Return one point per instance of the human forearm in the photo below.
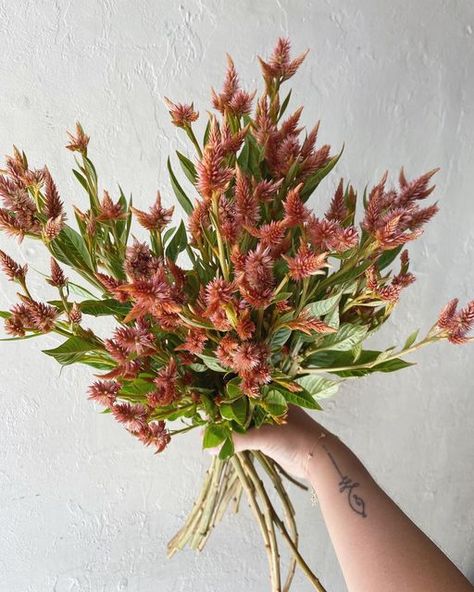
(378, 546)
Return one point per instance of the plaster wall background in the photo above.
(83, 507)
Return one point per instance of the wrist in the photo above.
(313, 446)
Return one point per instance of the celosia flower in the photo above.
(42, 316)
(165, 382)
(247, 207)
(305, 263)
(112, 286)
(109, 210)
(133, 416)
(53, 204)
(231, 86)
(79, 142)
(198, 220)
(182, 115)
(213, 175)
(57, 277)
(279, 65)
(11, 269)
(306, 323)
(195, 341)
(218, 294)
(157, 217)
(338, 210)
(104, 392)
(456, 324)
(52, 228)
(447, 315)
(154, 433)
(140, 262)
(75, 314)
(296, 214)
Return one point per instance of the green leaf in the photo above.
(345, 339)
(178, 243)
(279, 338)
(80, 291)
(70, 248)
(182, 198)
(108, 307)
(357, 350)
(387, 257)
(233, 388)
(284, 105)
(388, 366)
(318, 386)
(206, 133)
(198, 367)
(322, 307)
(227, 449)
(188, 167)
(332, 317)
(302, 399)
(71, 351)
(411, 339)
(243, 158)
(4, 314)
(315, 179)
(167, 235)
(82, 180)
(214, 435)
(139, 386)
(236, 410)
(212, 363)
(274, 402)
(282, 296)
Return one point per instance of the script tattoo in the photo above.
(356, 503)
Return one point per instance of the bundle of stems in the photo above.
(224, 482)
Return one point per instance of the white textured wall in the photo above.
(83, 507)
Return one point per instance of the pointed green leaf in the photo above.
(178, 243)
(315, 179)
(71, 351)
(411, 339)
(318, 386)
(227, 449)
(182, 198)
(274, 402)
(301, 398)
(345, 339)
(322, 307)
(188, 167)
(212, 363)
(214, 435)
(279, 338)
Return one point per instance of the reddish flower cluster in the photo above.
(457, 324)
(395, 217)
(391, 291)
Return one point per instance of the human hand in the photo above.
(288, 444)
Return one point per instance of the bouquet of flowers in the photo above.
(254, 304)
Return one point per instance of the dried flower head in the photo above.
(79, 141)
(182, 115)
(157, 217)
(11, 269)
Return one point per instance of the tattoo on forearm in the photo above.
(356, 503)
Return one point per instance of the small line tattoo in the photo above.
(356, 503)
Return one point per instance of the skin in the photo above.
(378, 547)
